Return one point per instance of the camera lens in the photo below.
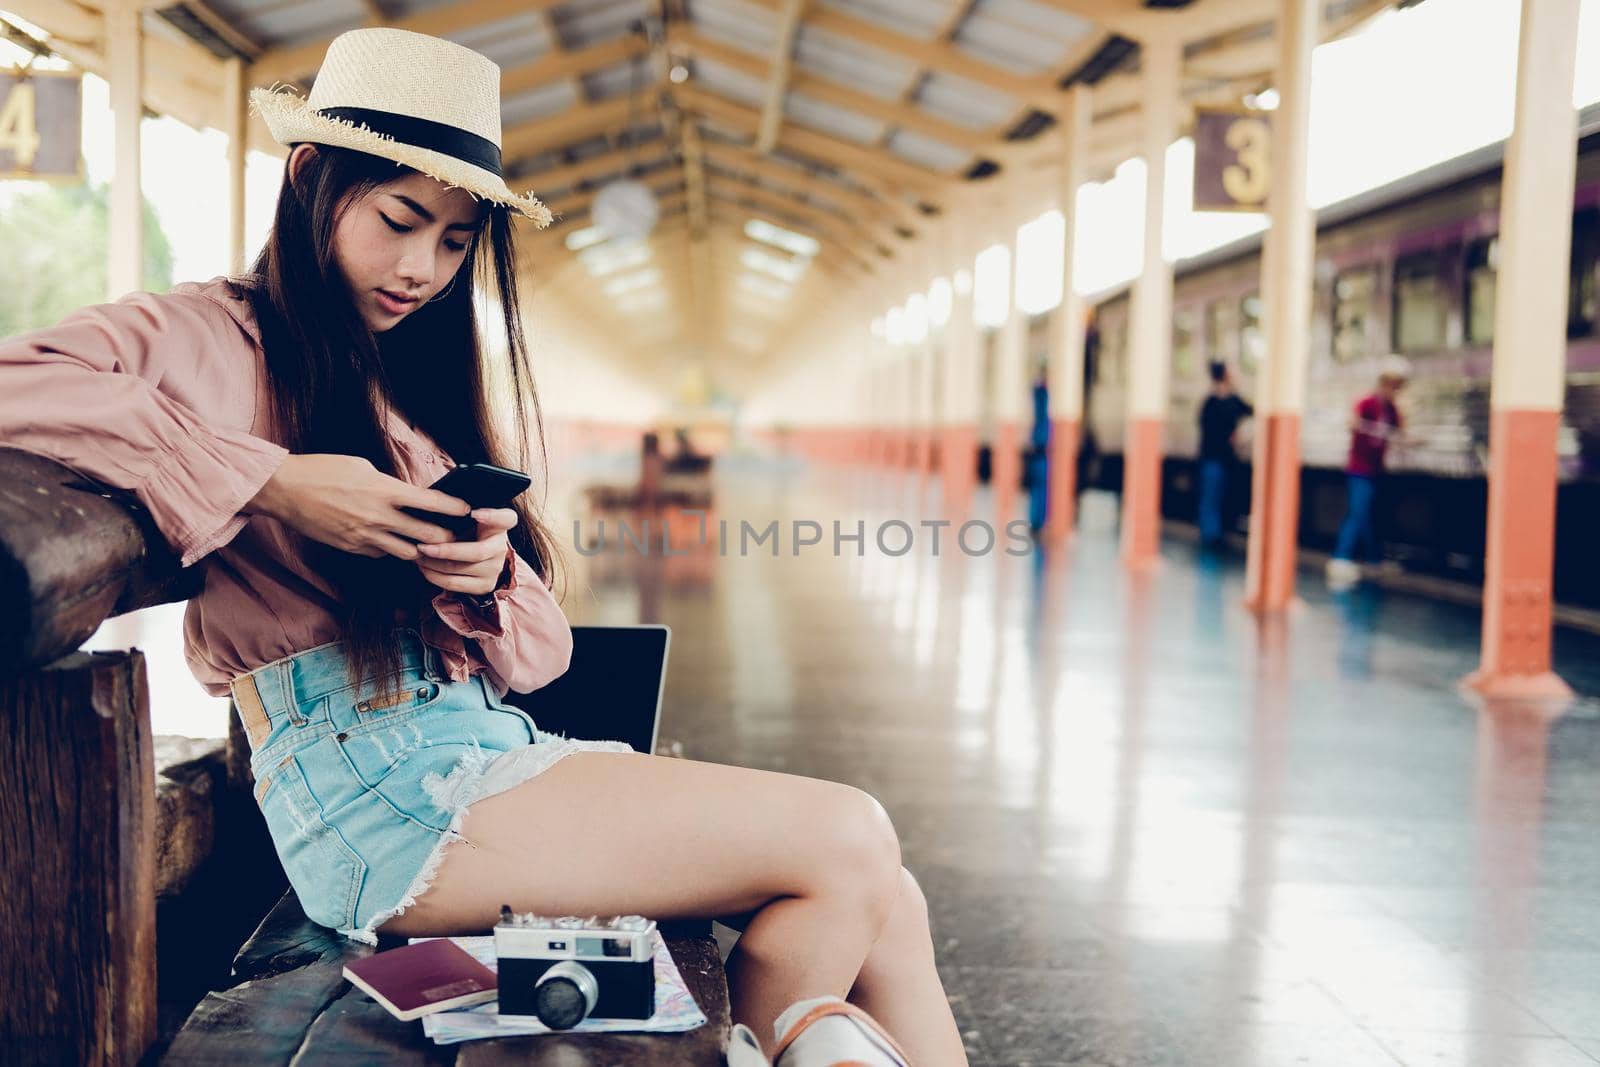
(565, 995)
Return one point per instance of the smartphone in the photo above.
(483, 485)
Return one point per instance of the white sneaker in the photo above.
(1342, 574)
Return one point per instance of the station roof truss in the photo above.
(859, 124)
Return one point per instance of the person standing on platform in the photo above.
(1374, 423)
(1220, 417)
(1037, 463)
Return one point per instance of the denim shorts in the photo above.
(360, 792)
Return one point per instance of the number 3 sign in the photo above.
(41, 124)
(1232, 151)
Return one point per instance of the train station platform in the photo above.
(1151, 829)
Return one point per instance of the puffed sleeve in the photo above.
(89, 393)
(525, 638)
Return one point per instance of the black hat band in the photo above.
(423, 133)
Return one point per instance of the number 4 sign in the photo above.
(1232, 152)
(41, 124)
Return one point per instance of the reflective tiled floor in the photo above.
(1152, 831)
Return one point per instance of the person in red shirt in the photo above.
(1374, 423)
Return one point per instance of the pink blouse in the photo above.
(163, 395)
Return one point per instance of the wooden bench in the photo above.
(290, 1003)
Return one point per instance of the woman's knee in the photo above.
(911, 907)
(862, 850)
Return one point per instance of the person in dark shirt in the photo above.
(1374, 423)
(1220, 417)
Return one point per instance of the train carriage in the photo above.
(1406, 268)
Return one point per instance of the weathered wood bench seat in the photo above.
(290, 1003)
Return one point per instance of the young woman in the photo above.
(274, 426)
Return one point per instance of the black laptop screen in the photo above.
(611, 691)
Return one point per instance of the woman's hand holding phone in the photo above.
(471, 567)
(346, 502)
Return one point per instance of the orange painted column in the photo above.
(958, 469)
(1530, 347)
(1273, 551)
(1150, 348)
(1005, 471)
(1066, 331)
(1063, 494)
(1141, 492)
(1272, 558)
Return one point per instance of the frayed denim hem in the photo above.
(476, 776)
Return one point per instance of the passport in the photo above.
(423, 978)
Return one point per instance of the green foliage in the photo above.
(53, 254)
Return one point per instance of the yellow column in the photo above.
(236, 116)
(918, 395)
(125, 73)
(1286, 322)
(927, 377)
(1150, 350)
(1010, 378)
(958, 445)
(1530, 350)
(1066, 337)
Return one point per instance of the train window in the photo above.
(1583, 299)
(1217, 324)
(1252, 342)
(1483, 260)
(1185, 343)
(1355, 298)
(1113, 343)
(1419, 303)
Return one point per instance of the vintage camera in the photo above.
(566, 970)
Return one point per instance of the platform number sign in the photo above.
(41, 125)
(1232, 156)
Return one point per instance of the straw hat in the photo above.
(428, 103)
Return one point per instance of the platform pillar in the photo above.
(125, 77)
(1530, 350)
(959, 399)
(236, 119)
(1066, 330)
(1273, 554)
(1010, 380)
(1150, 350)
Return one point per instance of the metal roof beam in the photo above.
(778, 81)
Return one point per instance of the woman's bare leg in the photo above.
(616, 833)
(899, 984)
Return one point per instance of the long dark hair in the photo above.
(329, 373)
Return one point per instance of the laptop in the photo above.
(612, 689)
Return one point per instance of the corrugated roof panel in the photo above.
(927, 152)
(914, 18)
(965, 103)
(736, 22)
(276, 25)
(399, 9)
(542, 102)
(734, 84)
(1020, 35)
(826, 175)
(586, 22)
(510, 42)
(843, 60)
(829, 119)
(619, 79)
